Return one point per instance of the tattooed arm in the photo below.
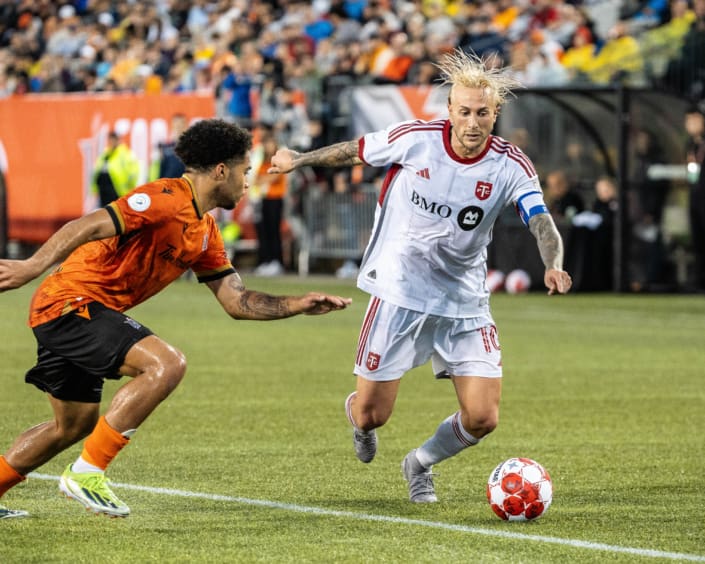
(340, 154)
(241, 303)
(550, 246)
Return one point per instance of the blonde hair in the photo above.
(469, 70)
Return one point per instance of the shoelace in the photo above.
(98, 483)
(423, 483)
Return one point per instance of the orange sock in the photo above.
(103, 444)
(8, 476)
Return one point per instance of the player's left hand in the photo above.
(316, 304)
(557, 281)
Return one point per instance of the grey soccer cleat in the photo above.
(420, 479)
(365, 443)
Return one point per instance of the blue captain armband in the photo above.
(529, 205)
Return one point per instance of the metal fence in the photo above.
(335, 225)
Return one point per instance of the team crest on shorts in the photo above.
(372, 361)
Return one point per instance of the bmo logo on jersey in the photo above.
(441, 210)
(470, 217)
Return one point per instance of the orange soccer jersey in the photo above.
(161, 232)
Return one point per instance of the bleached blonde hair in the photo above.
(469, 70)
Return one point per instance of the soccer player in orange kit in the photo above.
(111, 260)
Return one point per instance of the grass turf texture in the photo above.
(605, 391)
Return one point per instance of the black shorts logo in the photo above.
(470, 217)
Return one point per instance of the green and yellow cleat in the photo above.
(91, 489)
(6, 513)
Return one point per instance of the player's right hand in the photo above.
(282, 161)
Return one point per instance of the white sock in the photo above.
(450, 438)
(81, 465)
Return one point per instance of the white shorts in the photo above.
(393, 340)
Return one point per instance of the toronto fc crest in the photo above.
(483, 189)
(372, 361)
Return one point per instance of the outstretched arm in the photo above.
(551, 248)
(90, 227)
(241, 303)
(340, 154)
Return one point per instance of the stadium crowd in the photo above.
(278, 64)
(274, 48)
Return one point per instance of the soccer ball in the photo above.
(519, 489)
(517, 282)
(495, 280)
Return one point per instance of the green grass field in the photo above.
(251, 458)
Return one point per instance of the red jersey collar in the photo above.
(453, 155)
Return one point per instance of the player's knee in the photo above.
(372, 416)
(171, 371)
(481, 424)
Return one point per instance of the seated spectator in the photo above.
(686, 73)
(578, 57)
(482, 38)
(619, 57)
(544, 67)
(562, 200)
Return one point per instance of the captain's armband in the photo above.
(529, 205)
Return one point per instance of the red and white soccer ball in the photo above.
(495, 280)
(519, 489)
(517, 282)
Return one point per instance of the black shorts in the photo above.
(79, 349)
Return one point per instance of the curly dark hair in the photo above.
(211, 141)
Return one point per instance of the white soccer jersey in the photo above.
(434, 218)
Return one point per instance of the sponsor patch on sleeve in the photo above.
(139, 202)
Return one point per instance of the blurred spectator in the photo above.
(695, 154)
(578, 57)
(393, 62)
(266, 193)
(544, 67)
(168, 164)
(619, 57)
(591, 240)
(562, 200)
(482, 38)
(580, 164)
(240, 83)
(650, 14)
(116, 171)
(646, 199)
(686, 73)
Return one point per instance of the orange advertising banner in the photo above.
(49, 145)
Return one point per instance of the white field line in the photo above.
(574, 543)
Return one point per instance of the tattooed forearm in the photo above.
(257, 305)
(340, 154)
(549, 240)
(242, 303)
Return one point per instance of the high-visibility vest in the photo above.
(123, 168)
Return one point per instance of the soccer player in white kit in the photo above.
(425, 265)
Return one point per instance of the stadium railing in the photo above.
(335, 225)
